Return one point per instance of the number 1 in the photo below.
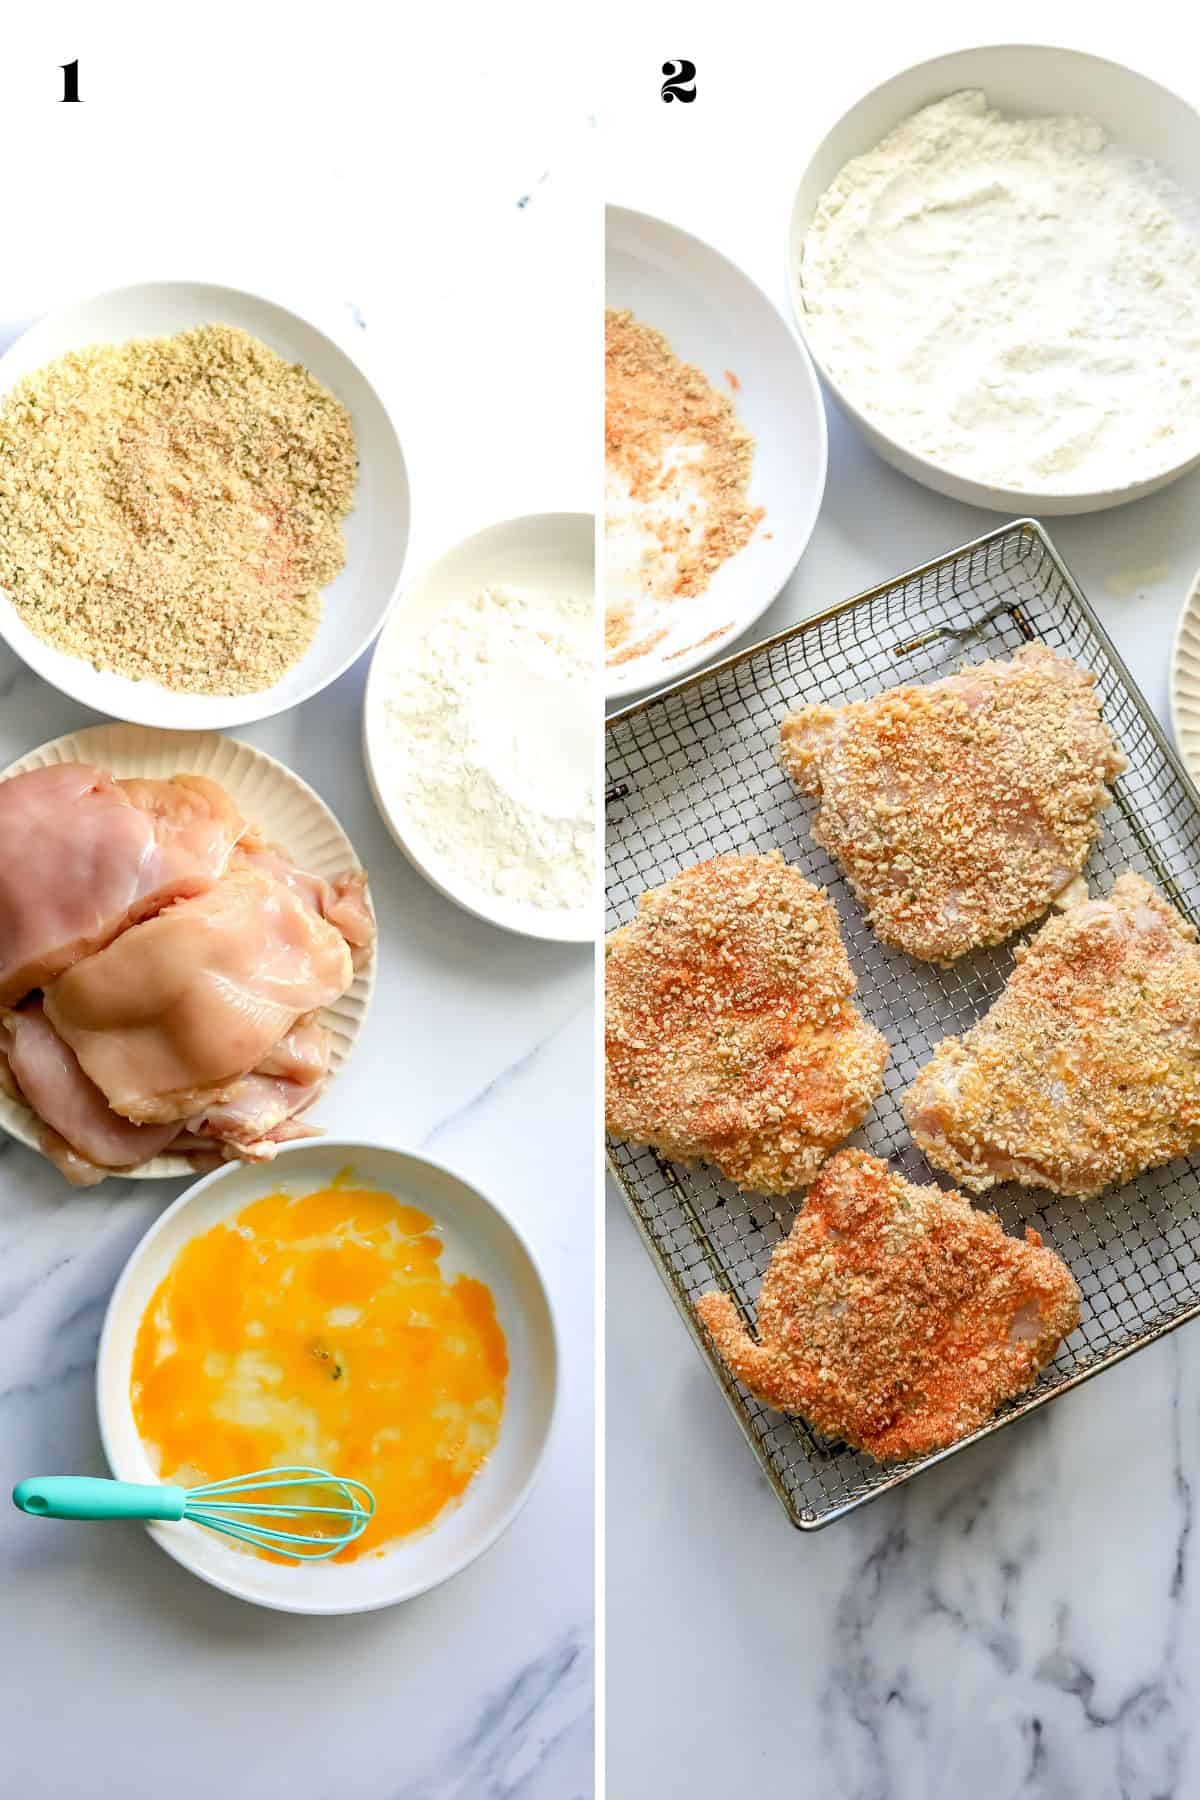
(70, 80)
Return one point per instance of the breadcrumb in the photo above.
(731, 1035)
(680, 458)
(1086, 1070)
(170, 508)
(961, 810)
(896, 1316)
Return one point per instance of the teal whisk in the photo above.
(224, 1506)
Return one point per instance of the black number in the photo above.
(679, 75)
(70, 80)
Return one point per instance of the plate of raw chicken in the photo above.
(187, 952)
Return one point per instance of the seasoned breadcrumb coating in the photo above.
(896, 1316)
(959, 811)
(655, 408)
(731, 1035)
(1086, 1070)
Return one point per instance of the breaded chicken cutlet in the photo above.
(731, 1036)
(895, 1316)
(1086, 1070)
(959, 811)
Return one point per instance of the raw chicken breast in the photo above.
(302, 1056)
(169, 1018)
(82, 856)
(193, 817)
(285, 1083)
(77, 1169)
(49, 1079)
(343, 901)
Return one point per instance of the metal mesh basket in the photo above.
(692, 772)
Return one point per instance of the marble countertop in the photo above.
(1021, 1620)
(120, 1673)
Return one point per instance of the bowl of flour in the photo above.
(994, 259)
(479, 731)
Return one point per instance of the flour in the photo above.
(644, 543)
(489, 744)
(1016, 299)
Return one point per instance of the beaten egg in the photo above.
(320, 1329)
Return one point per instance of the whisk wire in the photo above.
(306, 1549)
(213, 1506)
(283, 1476)
(292, 1512)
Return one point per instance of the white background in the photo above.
(1021, 1621)
(369, 177)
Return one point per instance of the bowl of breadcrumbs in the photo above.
(714, 452)
(203, 505)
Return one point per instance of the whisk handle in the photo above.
(90, 1497)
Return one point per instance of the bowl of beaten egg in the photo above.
(348, 1306)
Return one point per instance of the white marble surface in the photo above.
(1021, 1621)
(119, 1673)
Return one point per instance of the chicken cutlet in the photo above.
(896, 1316)
(70, 1107)
(83, 856)
(343, 902)
(130, 903)
(961, 810)
(1086, 1070)
(168, 1019)
(87, 1140)
(731, 1035)
(260, 1111)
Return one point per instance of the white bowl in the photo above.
(1185, 683)
(270, 796)
(480, 1240)
(551, 553)
(715, 317)
(1024, 80)
(352, 608)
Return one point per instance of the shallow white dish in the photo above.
(1024, 80)
(551, 553)
(270, 796)
(480, 1241)
(352, 608)
(1185, 683)
(715, 317)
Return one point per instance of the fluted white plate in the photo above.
(1185, 684)
(285, 809)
